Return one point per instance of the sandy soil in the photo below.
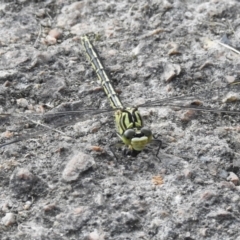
(67, 184)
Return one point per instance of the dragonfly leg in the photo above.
(126, 151)
(112, 148)
(159, 141)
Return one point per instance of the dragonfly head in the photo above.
(137, 139)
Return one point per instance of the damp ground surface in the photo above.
(61, 181)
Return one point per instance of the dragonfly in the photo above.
(128, 120)
(131, 130)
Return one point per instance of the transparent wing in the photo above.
(17, 127)
(32, 125)
(213, 100)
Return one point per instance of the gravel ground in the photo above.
(67, 184)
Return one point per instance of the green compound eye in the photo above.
(146, 132)
(129, 133)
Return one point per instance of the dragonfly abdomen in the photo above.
(101, 73)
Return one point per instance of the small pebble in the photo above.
(7, 134)
(94, 236)
(231, 97)
(22, 102)
(188, 15)
(220, 214)
(27, 205)
(22, 181)
(49, 40)
(229, 208)
(225, 184)
(79, 163)
(230, 79)
(187, 173)
(157, 180)
(207, 195)
(9, 219)
(233, 178)
(203, 232)
(5, 207)
(5, 74)
(170, 71)
(49, 207)
(223, 173)
(41, 13)
(55, 33)
(7, 84)
(188, 115)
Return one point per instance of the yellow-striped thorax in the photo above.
(130, 130)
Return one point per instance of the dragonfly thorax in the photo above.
(130, 129)
(128, 118)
